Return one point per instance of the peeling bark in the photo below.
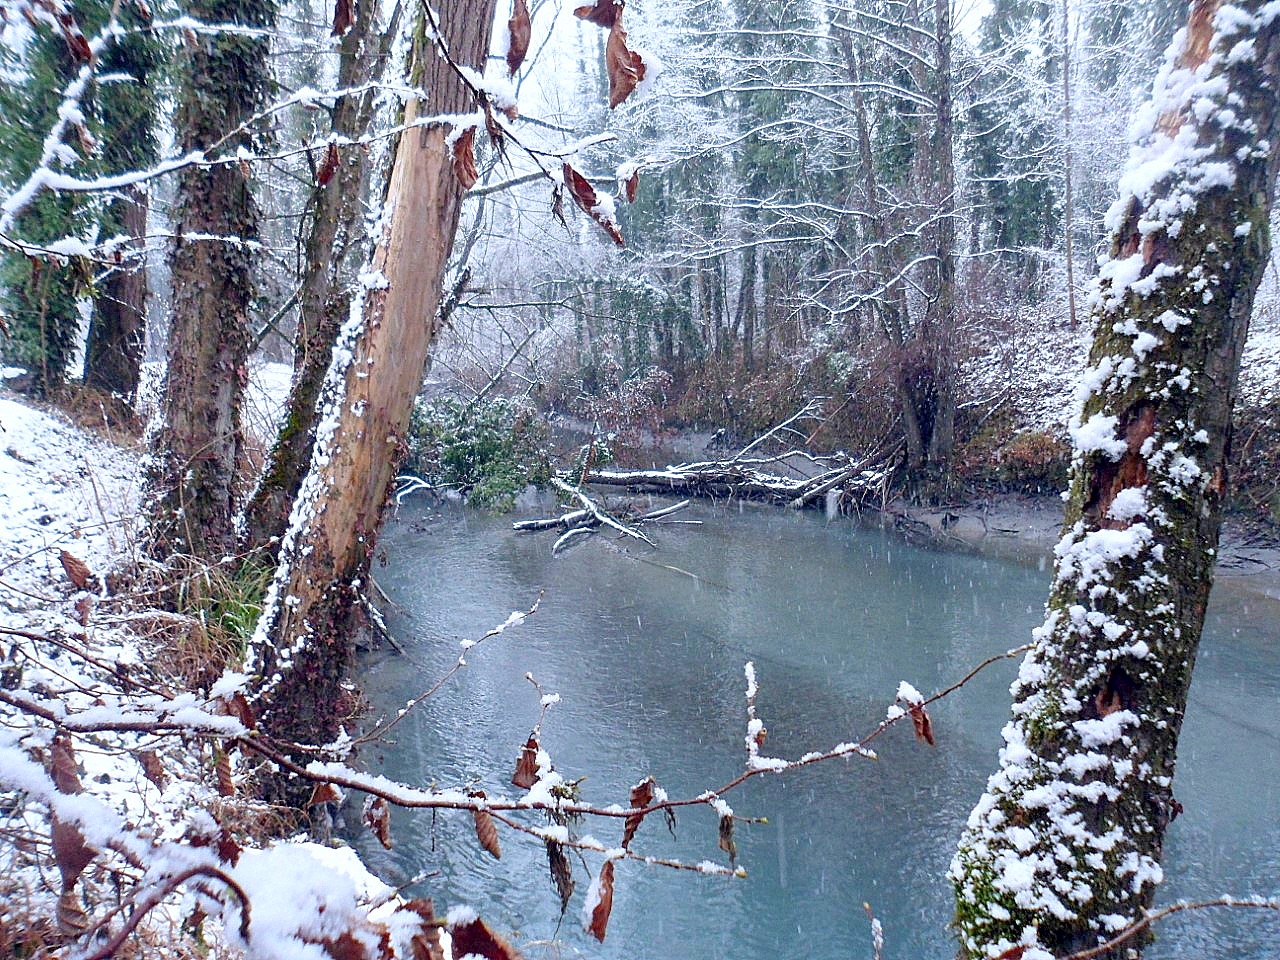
(305, 641)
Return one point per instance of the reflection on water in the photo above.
(648, 662)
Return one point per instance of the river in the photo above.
(648, 662)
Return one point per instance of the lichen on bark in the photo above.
(1064, 848)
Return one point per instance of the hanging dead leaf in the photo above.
(464, 158)
(727, 843)
(641, 797)
(222, 769)
(377, 814)
(62, 761)
(475, 937)
(633, 186)
(604, 902)
(519, 29)
(603, 13)
(592, 204)
(625, 67)
(486, 829)
(492, 126)
(922, 723)
(526, 774)
(324, 793)
(425, 943)
(72, 919)
(342, 17)
(329, 166)
(153, 768)
(70, 851)
(561, 873)
(557, 205)
(77, 571)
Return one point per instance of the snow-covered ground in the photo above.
(1038, 361)
(61, 488)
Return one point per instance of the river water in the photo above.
(648, 662)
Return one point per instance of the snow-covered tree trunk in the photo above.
(324, 302)
(1064, 848)
(305, 639)
(192, 481)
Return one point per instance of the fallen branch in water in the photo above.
(592, 517)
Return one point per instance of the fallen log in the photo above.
(578, 524)
(861, 483)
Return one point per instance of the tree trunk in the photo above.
(1064, 849)
(192, 480)
(941, 338)
(305, 639)
(117, 333)
(324, 302)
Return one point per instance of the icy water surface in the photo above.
(649, 665)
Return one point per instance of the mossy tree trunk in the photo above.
(336, 228)
(117, 329)
(192, 486)
(1064, 848)
(304, 642)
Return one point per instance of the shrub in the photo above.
(490, 450)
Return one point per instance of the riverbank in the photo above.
(1026, 528)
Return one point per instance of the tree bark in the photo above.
(117, 333)
(192, 480)
(324, 301)
(1065, 847)
(305, 640)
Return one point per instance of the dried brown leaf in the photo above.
(222, 769)
(924, 726)
(475, 937)
(727, 843)
(377, 814)
(329, 166)
(237, 706)
(425, 943)
(153, 768)
(561, 873)
(641, 797)
(77, 571)
(526, 774)
(343, 17)
(464, 158)
(486, 829)
(625, 67)
(603, 13)
(633, 187)
(604, 902)
(324, 793)
(588, 201)
(83, 607)
(519, 28)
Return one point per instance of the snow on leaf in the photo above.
(598, 208)
(641, 797)
(603, 13)
(526, 773)
(599, 902)
(377, 815)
